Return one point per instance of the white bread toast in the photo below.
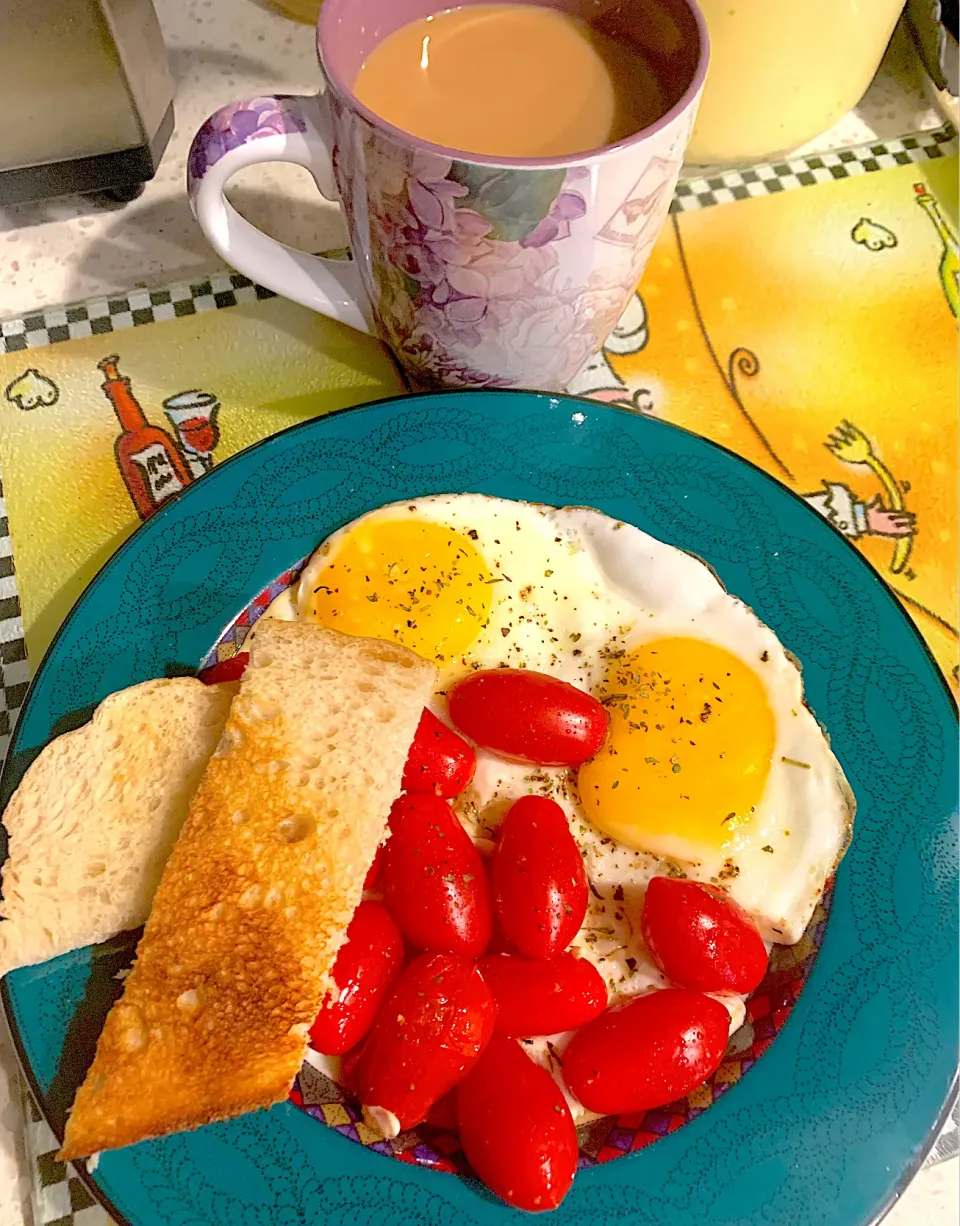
(258, 892)
(93, 821)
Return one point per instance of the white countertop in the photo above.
(65, 250)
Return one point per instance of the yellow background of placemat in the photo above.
(270, 363)
(767, 326)
(828, 331)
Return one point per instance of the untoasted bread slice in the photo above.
(259, 890)
(93, 821)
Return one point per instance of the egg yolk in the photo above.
(689, 748)
(408, 581)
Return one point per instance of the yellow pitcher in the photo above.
(783, 71)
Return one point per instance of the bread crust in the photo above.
(255, 900)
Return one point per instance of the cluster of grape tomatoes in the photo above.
(457, 958)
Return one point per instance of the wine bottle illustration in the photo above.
(950, 260)
(152, 467)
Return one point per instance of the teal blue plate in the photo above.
(835, 1117)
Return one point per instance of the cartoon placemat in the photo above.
(97, 432)
(815, 333)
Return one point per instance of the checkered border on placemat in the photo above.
(58, 1196)
(97, 316)
(14, 669)
(112, 313)
(694, 192)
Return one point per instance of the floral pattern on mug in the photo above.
(465, 264)
(236, 125)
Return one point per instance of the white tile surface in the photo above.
(933, 1199)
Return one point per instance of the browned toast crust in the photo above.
(258, 892)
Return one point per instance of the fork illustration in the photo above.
(849, 444)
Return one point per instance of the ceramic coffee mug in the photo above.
(477, 271)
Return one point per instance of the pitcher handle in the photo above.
(273, 128)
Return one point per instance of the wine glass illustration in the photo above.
(193, 415)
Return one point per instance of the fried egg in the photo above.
(713, 767)
(470, 582)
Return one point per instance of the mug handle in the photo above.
(273, 128)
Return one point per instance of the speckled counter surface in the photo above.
(219, 50)
(61, 251)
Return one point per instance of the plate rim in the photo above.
(600, 408)
(259, 444)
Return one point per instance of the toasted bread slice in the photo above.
(258, 892)
(93, 821)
